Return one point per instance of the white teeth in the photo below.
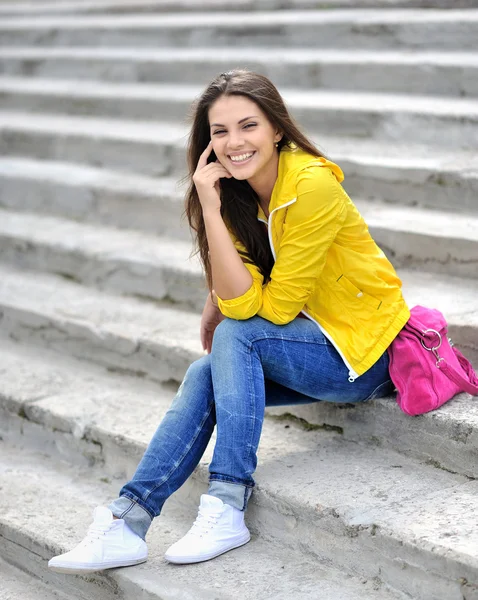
(241, 157)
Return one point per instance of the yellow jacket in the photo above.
(327, 265)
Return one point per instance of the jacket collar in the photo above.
(292, 160)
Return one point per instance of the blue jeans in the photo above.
(253, 364)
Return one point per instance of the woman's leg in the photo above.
(255, 363)
(174, 451)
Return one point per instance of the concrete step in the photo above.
(159, 341)
(66, 7)
(126, 261)
(148, 147)
(160, 268)
(156, 340)
(151, 339)
(360, 29)
(406, 174)
(369, 511)
(18, 585)
(68, 408)
(436, 73)
(92, 195)
(58, 520)
(381, 117)
(422, 239)
(407, 177)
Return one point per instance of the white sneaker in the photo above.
(109, 543)
(217, 529)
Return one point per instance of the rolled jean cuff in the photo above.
(134, 515)
(234, 494)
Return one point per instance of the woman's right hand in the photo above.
(206, 179)
(211, 317)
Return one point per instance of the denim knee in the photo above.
(224, 332)
(197, 370)
(230, 329)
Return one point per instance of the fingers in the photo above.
(203, 336)
(204, 156)
(206, 340)
(208, 178)
(209, 341)
(207, 344)
(215, 167)
(203, 164)
(228, 175)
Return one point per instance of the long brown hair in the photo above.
(239, 202)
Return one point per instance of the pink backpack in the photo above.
(425, 367)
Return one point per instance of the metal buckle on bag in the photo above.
(433, 349)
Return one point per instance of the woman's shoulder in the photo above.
(294, 163)
(303, 175)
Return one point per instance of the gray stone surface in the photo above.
(446, 439)
(18, 585)
(438, 73)
(139, 336)
(402, 176)
(160, 268)
(59, 502)
(154, 148)
(352, 28)
(137, 6)
(423, 239)
(380, 117)
(402, 173)
(93, 195)
(129, 262)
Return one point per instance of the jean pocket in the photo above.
(384, 389)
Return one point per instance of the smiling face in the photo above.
(243, 139)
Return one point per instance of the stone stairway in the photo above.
(100, 300)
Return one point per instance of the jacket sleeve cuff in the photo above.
(242, 307)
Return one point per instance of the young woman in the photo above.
(303, 306)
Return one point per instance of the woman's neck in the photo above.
(264, 182)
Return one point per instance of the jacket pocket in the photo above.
(356, 295)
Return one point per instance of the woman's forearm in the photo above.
(230, 277)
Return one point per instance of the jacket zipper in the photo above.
(353, 375)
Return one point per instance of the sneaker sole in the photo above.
(183, 560)
(82, 568)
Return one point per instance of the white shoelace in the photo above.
(96, 531)
(203, 523)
